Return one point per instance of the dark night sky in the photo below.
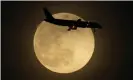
(112, 56)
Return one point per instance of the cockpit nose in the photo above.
(95, 25)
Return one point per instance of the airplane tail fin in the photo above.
(48, 15)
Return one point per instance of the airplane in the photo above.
(72, 24)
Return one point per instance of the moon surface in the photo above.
(63, 51)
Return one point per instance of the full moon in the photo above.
(63, 51)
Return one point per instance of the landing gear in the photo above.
(72, 28)
(69, 29)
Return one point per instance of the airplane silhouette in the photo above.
(72, 24)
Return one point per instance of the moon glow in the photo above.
(63, 51)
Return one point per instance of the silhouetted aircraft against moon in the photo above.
(72, 24)
(63, 51)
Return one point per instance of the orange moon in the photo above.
(63, 51)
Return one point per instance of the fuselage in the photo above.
(72, 24)
(67, 22)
